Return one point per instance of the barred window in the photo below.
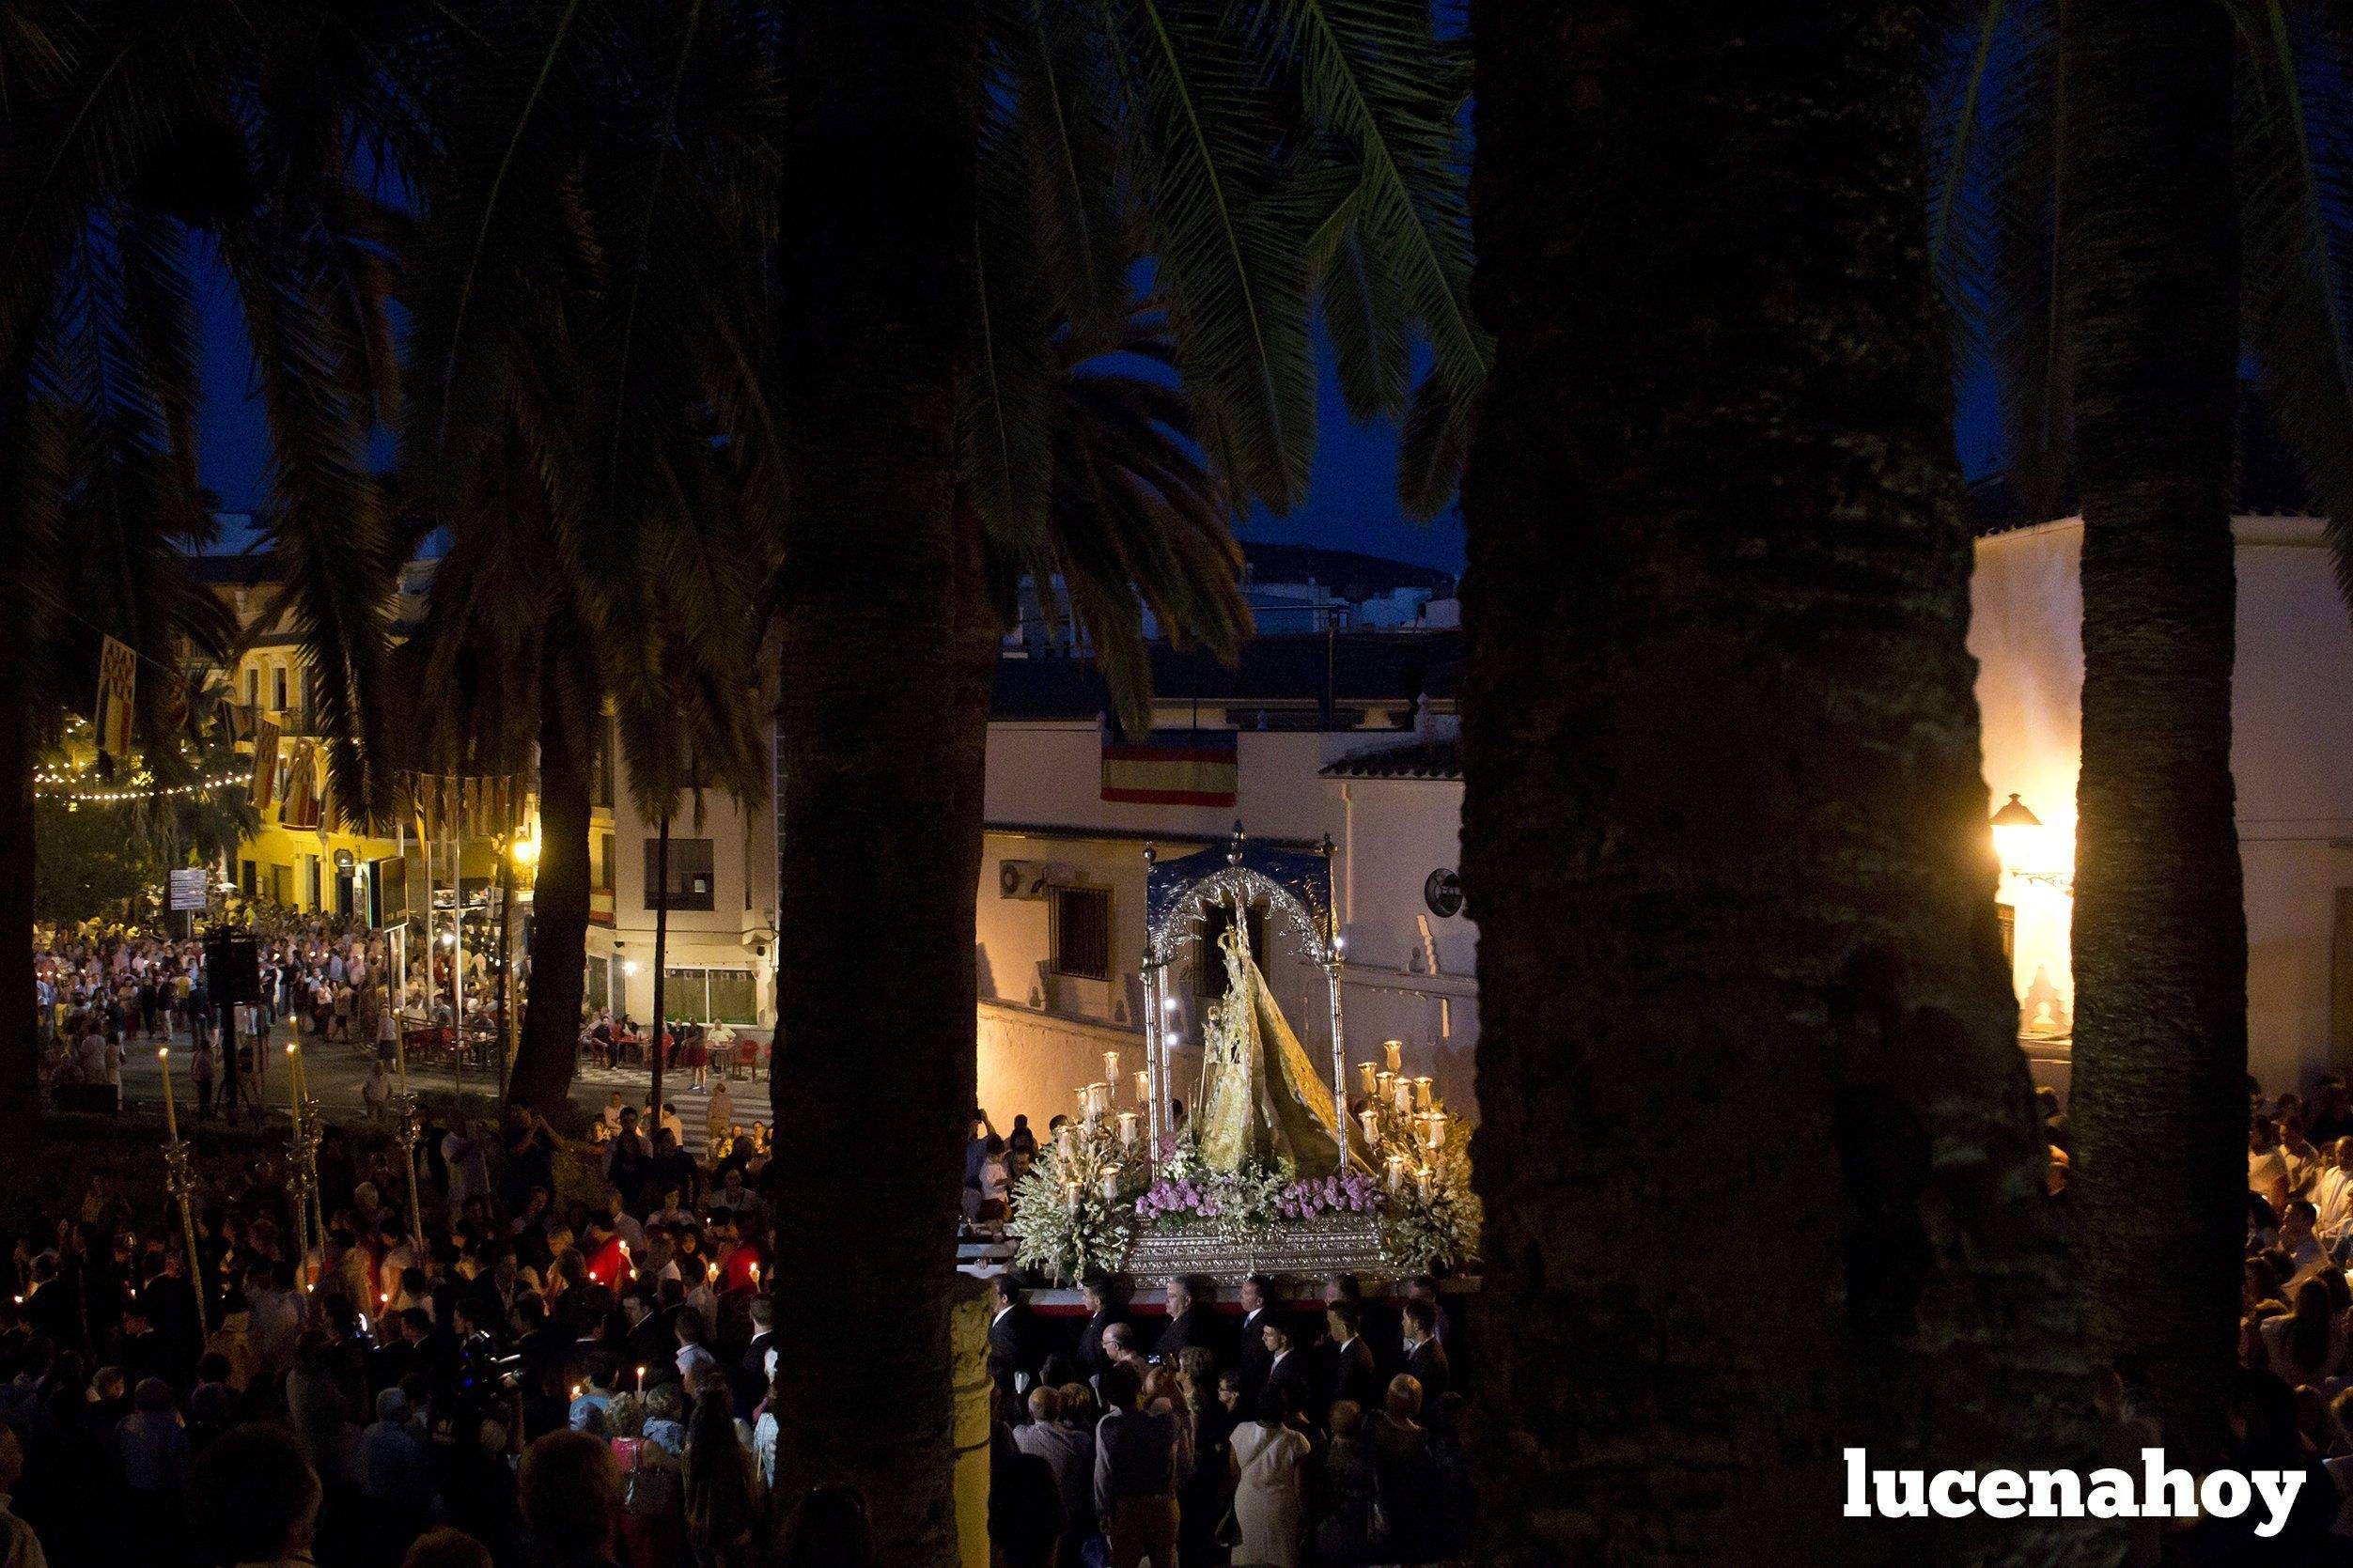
(1082, 922)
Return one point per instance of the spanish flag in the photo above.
(1172, 767)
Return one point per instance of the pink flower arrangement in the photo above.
(1353, 1193)
(1189, 1199)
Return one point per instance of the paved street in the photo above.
(338, 1071)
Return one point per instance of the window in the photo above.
(601, 766)
(277, 688)
(692, 879)
(601, 868)
(246, 878)
(253, 685)
(709, 996)
(1082, 922)
(1209, 958)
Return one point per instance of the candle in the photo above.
(641, 1379)
(1404, 1091)
(1423, 1178)
(1422, 1099)
(755, 1276)
(1111, 1183)
(1111, 1069)
(1397, 1174)
(1143, 1088)
(171, 1118)
(1070, 1196)
(1061, 1141)
(1128, 1129)
(1371, 1083)
(1371, 1119)
(1382, 1083)
(1436, 1123)
(1086, 1099)
(294, 1081)
(1394, 1050)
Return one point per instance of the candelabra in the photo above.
(179, 1180)
(411, 1130)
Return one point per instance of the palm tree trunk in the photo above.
(661, 957)
(548, 1055)
(881, 849)
(20, 1038)
(2159, 1105)
(1725, 828)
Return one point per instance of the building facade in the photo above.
(2292, 756)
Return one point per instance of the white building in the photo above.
(2291, 755)
(720, 948)
(1348, 737)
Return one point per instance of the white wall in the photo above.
(2291, 755)
(1388, 836)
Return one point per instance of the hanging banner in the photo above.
(117, 675)
(301, 787)
(265, 784)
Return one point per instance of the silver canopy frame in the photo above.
(1295, 886)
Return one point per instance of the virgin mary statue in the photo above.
(1261, 1095)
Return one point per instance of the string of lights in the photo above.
(116, 797)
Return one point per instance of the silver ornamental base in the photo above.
(1330, 1244)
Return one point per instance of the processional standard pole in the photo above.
(1154, 1070)
(1335, 944)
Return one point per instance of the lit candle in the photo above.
(641, 1379)
(1371, 1119)
(1397, 1174)
(294, 1080)
(1422, 1097)
(1436, 1123)
(1404, 1091)
(1111, 1069)
(1424, 1178)
(1371, 1083)
(755, 1276)
(1143, 1088)
(1394, 1050)
(1111, 1183)
(1127, 1129)
(171, 1117)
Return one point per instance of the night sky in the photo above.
(1351, 505)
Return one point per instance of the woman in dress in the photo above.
(1268, 1454)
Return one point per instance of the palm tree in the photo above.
(1723, 823)
(587, 423)
(2116, 318)
(1031, 151)
(129, 136)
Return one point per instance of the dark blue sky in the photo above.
(1350, 505)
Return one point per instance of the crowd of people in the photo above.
(1268, 1435)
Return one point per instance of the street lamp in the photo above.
(2018, 833)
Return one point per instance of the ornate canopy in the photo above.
(1296, 884)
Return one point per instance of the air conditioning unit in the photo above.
(1029, 878)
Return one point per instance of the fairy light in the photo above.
(115, 796)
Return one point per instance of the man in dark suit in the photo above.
(1425, 1356)
(1102, 1310)
(1286, 1366)
(751, 1374)
(1349, 1371)
(1257, 1311)
(1014, 1346)
(1190, 1311)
